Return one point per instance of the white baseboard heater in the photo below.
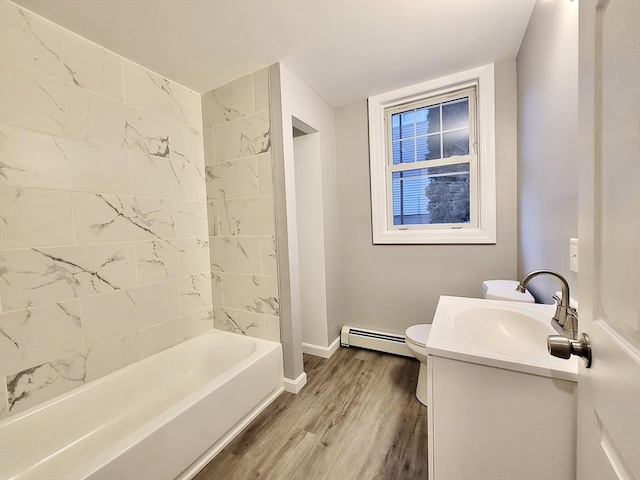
(374, 340)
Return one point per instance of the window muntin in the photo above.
(431, 162)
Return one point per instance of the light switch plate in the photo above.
(573, 254)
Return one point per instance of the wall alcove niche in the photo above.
(303, 143)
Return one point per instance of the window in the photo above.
(432, 161)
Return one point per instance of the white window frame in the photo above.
(471, 158)
(482, 227)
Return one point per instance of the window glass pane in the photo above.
(409, 200)
(407, 124)
(422, 122)
(455, 143)
(448, 195)
(395, 127)
(428, 147)
(422, 149)
(431, 195)
(407, 151)
(434, 119)
(396, 153)
(455, 114)
(428, 120)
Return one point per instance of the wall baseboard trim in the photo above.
(319, 351)
(294, 386)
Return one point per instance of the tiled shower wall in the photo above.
(104, 242)
(237, 140)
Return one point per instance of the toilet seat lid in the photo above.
(418, 334)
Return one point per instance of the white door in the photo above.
(609, 157)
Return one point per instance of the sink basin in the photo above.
(506, 335)
(502, 328)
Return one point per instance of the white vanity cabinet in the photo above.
(493, 415)
(491, 424)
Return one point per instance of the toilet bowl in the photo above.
(416, 340)
(416, 336)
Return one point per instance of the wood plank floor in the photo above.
(357, 418)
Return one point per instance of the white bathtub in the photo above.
(164, 417)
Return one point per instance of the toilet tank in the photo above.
(505, 290)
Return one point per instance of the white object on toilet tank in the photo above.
(505, 290)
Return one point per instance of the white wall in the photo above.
(390, 287)
(292, 98)
(547, 144)
(299, 101)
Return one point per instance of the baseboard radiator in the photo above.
(374, 340)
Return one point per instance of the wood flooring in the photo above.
(357, 418)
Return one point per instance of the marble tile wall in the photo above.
(237, 145)
(104, 242)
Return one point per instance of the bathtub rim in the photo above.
(121, 371)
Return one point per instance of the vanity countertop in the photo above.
(449, 340)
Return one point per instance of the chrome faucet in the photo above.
(565, 320)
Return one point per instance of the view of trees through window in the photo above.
(429, 134)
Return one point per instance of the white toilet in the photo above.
(416, 335)
(505, 290)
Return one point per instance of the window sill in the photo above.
(434, 237)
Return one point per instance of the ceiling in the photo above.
(345, 50)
